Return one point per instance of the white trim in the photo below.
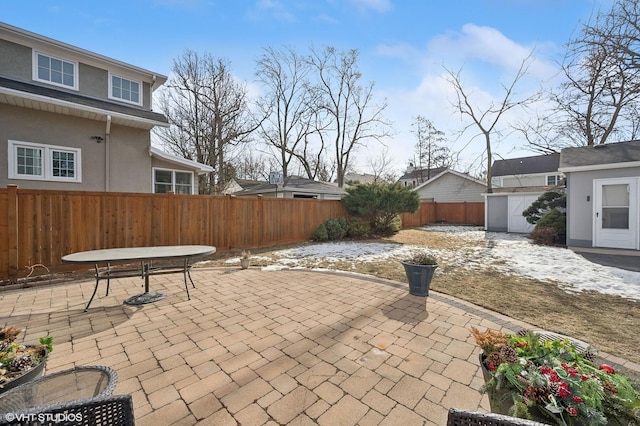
(604, 166)
(79, 107)
(131, 80)
(173, 179)
(33, 40)
(35, 74)
(47, 160)
(199, 167)
(599, 236)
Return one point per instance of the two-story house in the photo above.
(71, 119)
(518, 182)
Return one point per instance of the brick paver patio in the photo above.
(256, 347)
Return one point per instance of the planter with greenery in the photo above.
(420, 269)
(21, 363)
(551, 381)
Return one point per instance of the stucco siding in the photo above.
(580, 207)
(450, 188)
(497, 213)
(130, 163)
(129, 150)
(19, 67)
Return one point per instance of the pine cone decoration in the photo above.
(21, 363)
(554, 388)
(538, 395)
(494, 359)
(590, 356)
(609, 387)
(4, 345)
(509, 354)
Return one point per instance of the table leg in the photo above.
(147, 296)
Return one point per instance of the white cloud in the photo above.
(487, 60)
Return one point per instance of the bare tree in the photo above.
(432, 153)
(486, 119)
(208, 111)
(290, 108)
(599, 98)
(382, 167)
(349, 106)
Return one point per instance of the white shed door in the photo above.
(516, 204)
(615, 221)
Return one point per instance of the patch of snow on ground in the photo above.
(508, 253)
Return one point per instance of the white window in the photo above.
(125, 89)
(176, 181)
(43, 162)
(54, 70)
(553, 180)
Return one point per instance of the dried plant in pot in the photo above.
(245, 257)
(21, 363)
(420, 269)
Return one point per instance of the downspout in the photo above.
(107, 162)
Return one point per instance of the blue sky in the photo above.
(404, 46)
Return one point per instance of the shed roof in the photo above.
(526, 165)
(610, 153)
(422, 173)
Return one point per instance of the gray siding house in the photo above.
(295, 187)
(603, 195)
(71, 119)
(450, 186)
(518, 182)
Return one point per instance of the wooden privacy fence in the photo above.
(38, 227)
(449, 213)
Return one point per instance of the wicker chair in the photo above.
(82, 382)
(472, 418)
(112, 410)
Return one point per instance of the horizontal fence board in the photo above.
(51, 224)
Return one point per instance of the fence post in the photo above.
(12, 224)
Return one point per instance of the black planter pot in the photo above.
(419, 277)
(30, 375)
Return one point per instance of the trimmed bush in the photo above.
(320, 234)
(553, 219)
(380, 204)
(336, 228)
(358, 227)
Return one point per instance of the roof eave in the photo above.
(194, 165)
(603, 166)
(78, 107)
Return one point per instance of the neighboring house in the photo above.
(414, 177)
(295, 187)
(351, 179)
(450, 186)
(603, 195)
(518, 182)
(71, 119)
(236, 185)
